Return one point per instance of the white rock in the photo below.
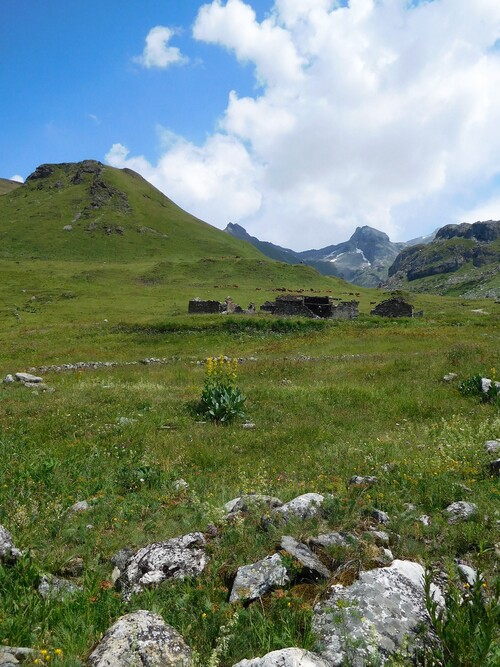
(254, 581)
(28, 377)
(287, 657)
(8, 379)
(460, 511)
(302, 507)
(492, 446)
(8, 552)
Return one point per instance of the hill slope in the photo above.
(7, 185)
(462, 260)
(92, 211)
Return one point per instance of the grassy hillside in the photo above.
(329, 400)
(7, 186)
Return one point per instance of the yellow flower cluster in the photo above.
(46, 656)
(221, 369)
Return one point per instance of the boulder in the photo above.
(141, 638)
(8, 552)
(460, 511)
(306, 506)
(174, 559)
(380, 517)
(254, 581)
(378, 615)
(286, 657)
(313, 567)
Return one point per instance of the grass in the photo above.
(329, 400)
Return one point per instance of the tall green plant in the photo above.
(221, 399)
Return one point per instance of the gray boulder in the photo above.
(8, 552)
(306, 506)
(286, 657)
(467, 574)
(254, 581)
(174, 559)
(380, 614)
(312, 565)
(460, 511)
(141, 638)
(8, 659)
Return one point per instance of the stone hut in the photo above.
(395, 307)
(198, 307)
(311, 306)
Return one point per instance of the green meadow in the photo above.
(328, 399)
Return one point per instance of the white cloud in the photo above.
(157, 52)
(17, 178)
(366, 114)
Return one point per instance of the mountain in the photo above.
(87, 210)
(7, 185)
(363, 260)
(462, 260)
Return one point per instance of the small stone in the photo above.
(8, 379)
(492, 446)
(494, 468)
(121, 558)
(67, 228)
(449, 377)
(424, 520)
(250, 501)
(78, 508)
(362, 482)
(8, 552)
(56, 588)
(379, 516)
(467, 574)
(126, 421)
(28, 377)
(248, 425)
(180, 485)
(8, 659)
(73, 568)
(460, 511)
(380, 536)
(254, 581)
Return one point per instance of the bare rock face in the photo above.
(375, 617)
(8, 552)
(254, 581)
(287, 657)
(141, 638)
(176, 558)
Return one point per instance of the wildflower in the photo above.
(58, 651)
(203, 615)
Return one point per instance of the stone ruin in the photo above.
(203, 307)
(311, 306)
(287, 305)
(395, 307)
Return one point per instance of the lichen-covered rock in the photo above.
(460, 511)
(306, 506)
(286, 657)
(176, 558)
(492, 446)
(378, 615)
(7, 659)
(254, 581)
(312, 565)
(141, 638)
(8, 552)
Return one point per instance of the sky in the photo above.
(297, 119)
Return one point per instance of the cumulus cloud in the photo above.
(373, 112)
(17, 178)
(157, 52)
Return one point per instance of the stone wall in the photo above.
(198, 307)
(345, 310)
(395, 307)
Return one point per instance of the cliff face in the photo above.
(470, 250)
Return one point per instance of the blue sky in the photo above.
(298, 120)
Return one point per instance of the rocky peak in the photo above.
(484, 232)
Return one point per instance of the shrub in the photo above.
(221, 399)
